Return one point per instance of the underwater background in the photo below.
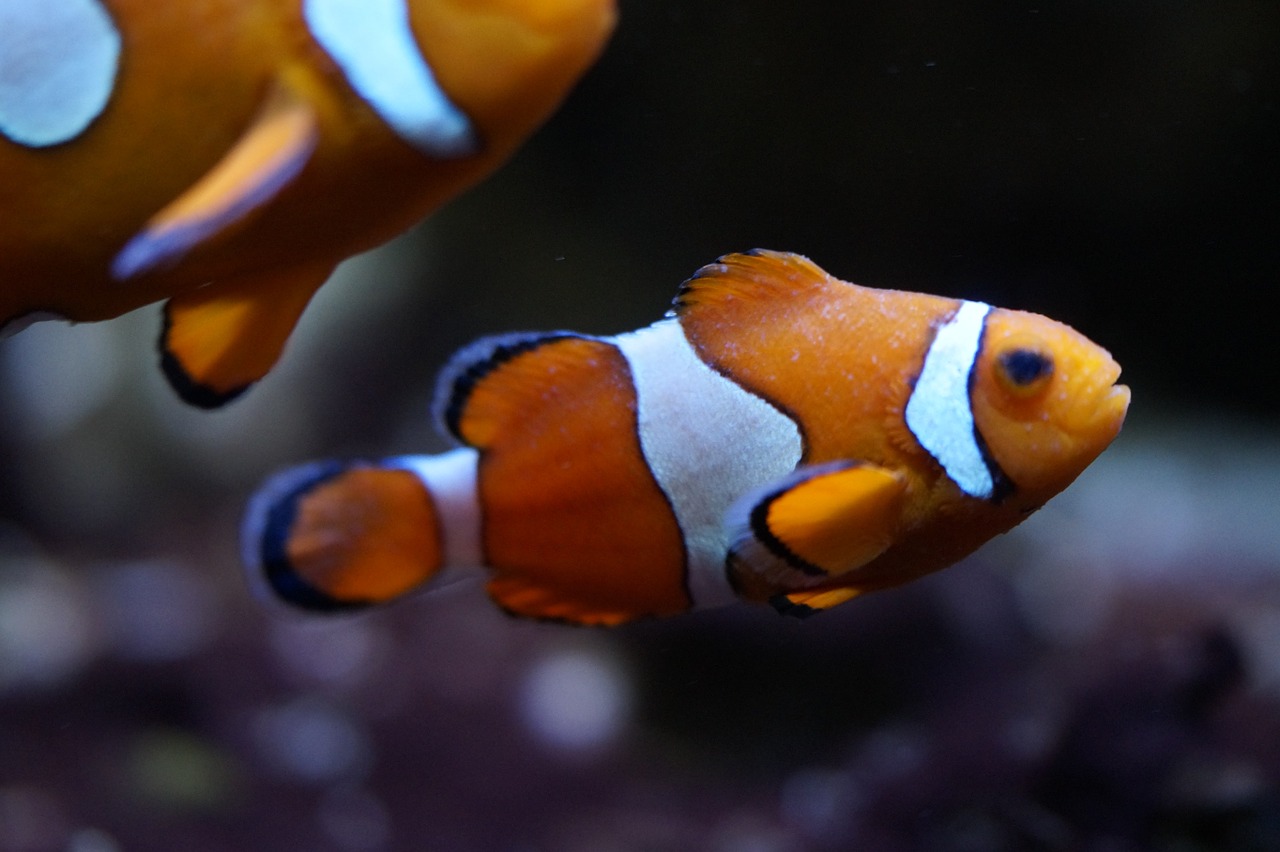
(1106, 677)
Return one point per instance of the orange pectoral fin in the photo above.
(330, 536)
(821, 522)
(268, 156)
(837, 520)
(220, 339)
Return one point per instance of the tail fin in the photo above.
(333, 536)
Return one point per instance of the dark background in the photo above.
(1105, 678)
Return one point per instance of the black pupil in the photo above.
(1024, 366)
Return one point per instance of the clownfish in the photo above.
(226, 155)
(780, 436)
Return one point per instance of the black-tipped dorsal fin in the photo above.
(759, 275)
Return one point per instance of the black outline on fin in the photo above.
(188, 389)
(272, 552)
(758, 518)
(471, 364)
(781, 260)
(785, 606)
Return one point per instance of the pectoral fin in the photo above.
(266, 158)
(818, 524)
(220, 339)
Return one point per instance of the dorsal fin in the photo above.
(472, 364)
(759, 275)
(835, 356)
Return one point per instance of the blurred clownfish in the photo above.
(782, 436)
(226, 155)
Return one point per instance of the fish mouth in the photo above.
(1101, 408)
(1117, 396)
(1112, 406)
(1117, 399)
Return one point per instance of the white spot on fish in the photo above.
(58, 62)
(373, 42)
(939, 413)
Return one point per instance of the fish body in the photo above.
(781, 436)
(227, 154)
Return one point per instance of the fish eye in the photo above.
(1024, 371)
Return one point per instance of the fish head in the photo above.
(1045, 402)
(509, 63)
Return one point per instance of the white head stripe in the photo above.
(372, 41)
(939, 412)
(58, 61)
(707, 441)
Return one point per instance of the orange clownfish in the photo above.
(226, 155)
(781, 436)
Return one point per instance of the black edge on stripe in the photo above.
(1001, 485)
(666, 498)
(719, 369)
(914, 378)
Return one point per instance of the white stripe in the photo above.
(373, 42)
(451, 479)
(58, 61)
(939, 413)
(707, 442)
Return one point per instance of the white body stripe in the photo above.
(707, 442)
(58, 61)
(451, 479)
(939, 412)
(372, 41)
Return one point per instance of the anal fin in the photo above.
(818, 524)
(807, 603)
(527, 599)
(220, 339)
(269, 155)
